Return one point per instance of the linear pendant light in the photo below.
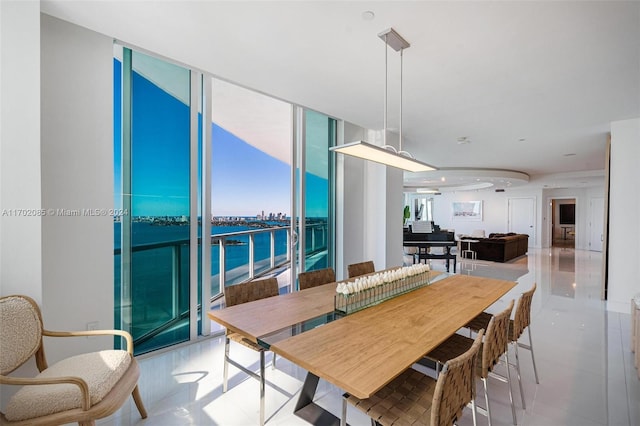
(387, 154)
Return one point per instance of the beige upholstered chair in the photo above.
(414, 398)
(495, 345)
(315, 278)
(235, 295)
(520, 322)
(362, 268)
(81, 388)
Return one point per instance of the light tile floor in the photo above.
(582, 354)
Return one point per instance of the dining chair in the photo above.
(235, 295)
(494, 346)
(315, 278)
(415, 398)
(362, 268)
(520, 322)
(81, 388)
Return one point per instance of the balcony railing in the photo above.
(248, 259)
(162, 284)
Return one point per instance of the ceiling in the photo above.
(520, 92)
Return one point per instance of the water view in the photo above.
(250, 146)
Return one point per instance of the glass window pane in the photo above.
(320, 135)
(250, 183)
(153, 162)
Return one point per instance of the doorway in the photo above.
(563, 222)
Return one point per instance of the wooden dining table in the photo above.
(361, 352)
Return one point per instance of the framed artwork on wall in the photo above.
(467, 210)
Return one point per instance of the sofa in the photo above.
(501, 247)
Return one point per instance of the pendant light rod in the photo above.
(386, 154)
(394, 40)
(386, 80)
(400, 131)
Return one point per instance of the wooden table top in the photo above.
(362, 352)
(261, 317)
(265, 316)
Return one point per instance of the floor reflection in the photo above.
(510, 271)
(563, 273)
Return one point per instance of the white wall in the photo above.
(496, 211)
(624, 205)
(350, 206)
(20, 191)
(369, 208)
(77, 174)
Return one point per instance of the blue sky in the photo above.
(245, 181)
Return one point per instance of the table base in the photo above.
(310, 411)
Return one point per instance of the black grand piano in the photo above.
(426, 236)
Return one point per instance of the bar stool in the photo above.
(472, 253)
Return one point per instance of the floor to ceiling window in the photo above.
(320, 135)
(152, 169)
(250, 181)
(258, 186)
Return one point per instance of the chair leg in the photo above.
(87, 423)
(226, 365)
(524, 406)
(535, 370)
(138, 400)
(262, 385)
(273, 361)
(513, 406)
(343, 418)
(486, 399)
(473, 412)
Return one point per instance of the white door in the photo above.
(596, 224)
(522, 214)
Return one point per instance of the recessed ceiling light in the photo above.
(368, 15)
(522, 140)
(463, 140)
(570, 155)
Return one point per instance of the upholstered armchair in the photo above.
(81, 388)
